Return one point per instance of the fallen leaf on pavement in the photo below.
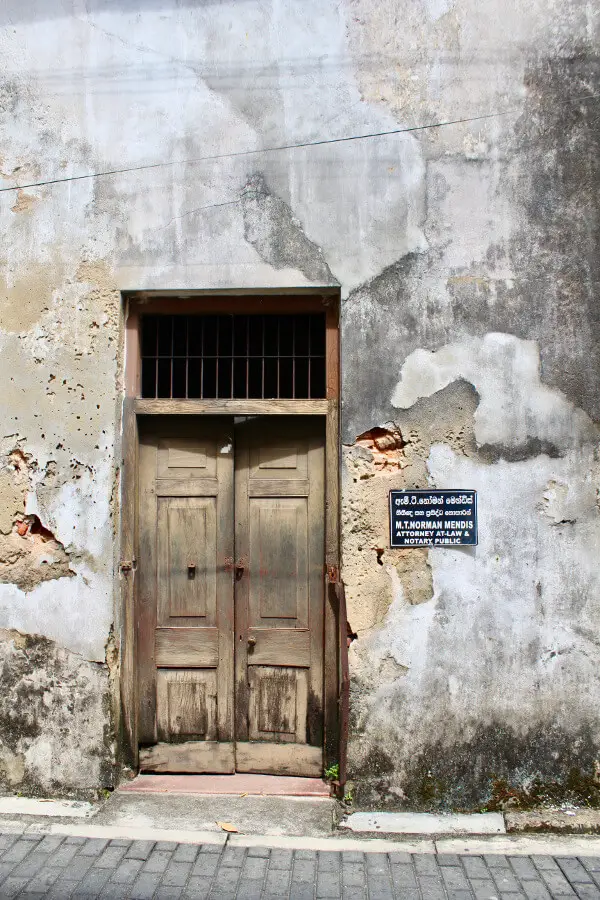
(227, 826)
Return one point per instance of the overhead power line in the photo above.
(276, 149)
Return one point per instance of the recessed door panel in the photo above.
(187, 558)
(278, 560)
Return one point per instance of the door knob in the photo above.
(251, 642)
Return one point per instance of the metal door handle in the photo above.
(251, 642)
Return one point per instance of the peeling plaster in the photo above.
(514, 406)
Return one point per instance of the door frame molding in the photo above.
(228, 301)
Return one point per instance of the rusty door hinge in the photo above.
(333, 574)
(126, 566)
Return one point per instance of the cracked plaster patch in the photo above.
(515, 407)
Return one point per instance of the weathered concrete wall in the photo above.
(467, 257)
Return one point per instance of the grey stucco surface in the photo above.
(467, 260)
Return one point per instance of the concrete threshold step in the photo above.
(393, 823)
(241, 785)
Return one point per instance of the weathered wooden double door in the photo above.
(230, 594)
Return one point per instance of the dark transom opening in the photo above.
(236, 357)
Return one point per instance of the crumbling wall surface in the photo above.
(55, 732)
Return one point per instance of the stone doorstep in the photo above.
(239, 784)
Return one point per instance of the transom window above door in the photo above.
(233, 356)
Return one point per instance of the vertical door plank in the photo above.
(146, 595)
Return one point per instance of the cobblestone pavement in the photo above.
(71, 867)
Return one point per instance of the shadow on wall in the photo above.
(14, 12)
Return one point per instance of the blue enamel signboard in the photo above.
(433, 518)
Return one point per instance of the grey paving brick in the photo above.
(140, 850)
(430, 886)
(120, 842)
(34, 838)
(545, 862)
(6, 841)
(483, 888)
(496, 861)
(158, 861)
(12, 887)
(50, 843)
(75, 839)
(168, 846)
(586, 891)
(445, 859)
(305, 854)
(536, 890)
(112, 891)
(168, 892)
(403, 877)
(195, 889)
(15, 854)
(233, 856)
(353, 874)
(352, 856)
(506, 881)
(328, 861)
(176, 874)
(127, 871)
(206, 865)
(328, 884)
(5, 870)
(211, 849)
(304, 870)
(259, 851)
(111, 857)
(277, 883)
(77, 867)
(354, 893)
(43, 881)
(93, 847)
(145, 885)
(377, 864)
(301, 892)
(380, 887)
(523, 868)
(475, 867)
(31, 865)
(225, 880)
(249, 889)
(460, 895)
(426, 864)
(62, 889)
(281, 859)
(592, 863)
(455, 879)
(573, 869)
(93, 881)
(254, 867)
(557, 884)
(185, 853)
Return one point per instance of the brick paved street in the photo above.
(72, 867)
